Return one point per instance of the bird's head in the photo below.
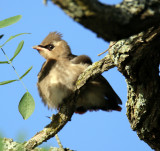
(53, 47)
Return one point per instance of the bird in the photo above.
(59, 73)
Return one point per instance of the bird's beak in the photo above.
(37, 47)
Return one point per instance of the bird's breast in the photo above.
(59, 83)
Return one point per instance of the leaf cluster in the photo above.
(26, 104)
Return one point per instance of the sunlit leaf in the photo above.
(26, 72)
(10, 21)
(26, 105)
(6, 82)
(13, 37)
(2, 62)
(20, 45)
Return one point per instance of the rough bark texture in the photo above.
(113, 22)
(9, 145)
(138, 59)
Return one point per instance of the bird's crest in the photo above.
(52, 36)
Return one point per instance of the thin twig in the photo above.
(103, 52)
(58, 141)
(14, 69)
(112, 43)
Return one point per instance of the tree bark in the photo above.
(113, 22)
(9, 145)
(138, 60)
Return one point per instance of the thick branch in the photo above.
(113, 22)
(138, 59)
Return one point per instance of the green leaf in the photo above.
(20, 45)
(10, 21)
(13, 37)
(1, 62)
(26, 72)
(6, 82)
(26, 105)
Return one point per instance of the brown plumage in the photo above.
(56, 80)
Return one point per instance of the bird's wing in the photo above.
(109, 90)
(81, 59)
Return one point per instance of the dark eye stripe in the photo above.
(49, 47)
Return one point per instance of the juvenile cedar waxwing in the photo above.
(58, 75)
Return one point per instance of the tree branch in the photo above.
(138, 58)
(113, 22)
(57, 123)
(9, 145)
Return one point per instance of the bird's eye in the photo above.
(49, 47)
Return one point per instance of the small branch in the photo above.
(58, 141)
(9, 145)
(58, 122)
(110, 45)
(14, 70)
